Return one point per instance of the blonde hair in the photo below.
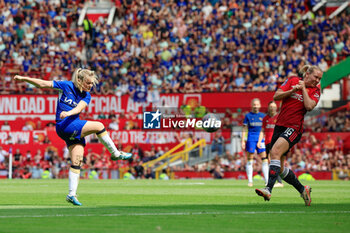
(308, 69)
(80, 74)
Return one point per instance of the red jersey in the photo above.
(293, 109)
(269, 125)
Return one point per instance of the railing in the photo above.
(183, 155)
(168, 153)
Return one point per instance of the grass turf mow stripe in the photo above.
(171, 206)
(178, 213)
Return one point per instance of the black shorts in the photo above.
(268, 148)
(291, 135)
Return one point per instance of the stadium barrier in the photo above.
(118, 172)
(241, 175)
(341, 174)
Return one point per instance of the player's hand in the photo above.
(297, 88)
(64, 114)
(243, 145)
(301, 84)
(259, 145)
(18, 78)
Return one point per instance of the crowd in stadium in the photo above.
(338, 121)
(170, 46)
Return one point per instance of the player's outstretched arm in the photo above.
(78, 109)
(35, 81)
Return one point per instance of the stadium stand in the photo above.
(193, 46)
(186, 46)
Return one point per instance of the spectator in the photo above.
(139, 170)
(46, 140)
(114, 125)
(217, 173)
(3, 155)
(9, 140)
(164, 175)
(329, 143)
(46, 174)
(25, 173)
(218, 143)
(37, 171)
(6, 126)
(177, 47)
(149, 174)
(27, 127)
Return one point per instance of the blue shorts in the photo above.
(251, 147)
(70, 131)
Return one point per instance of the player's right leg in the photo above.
(278, 149)
(264, 165)
(76, 152)
(98, 128)
(249, 167)
(279, 183)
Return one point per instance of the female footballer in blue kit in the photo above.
(253, 123)
(74, 97)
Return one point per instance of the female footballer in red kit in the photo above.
(298, 95)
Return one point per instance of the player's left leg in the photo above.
(278, 149)
(288, 176)
(98, 128)
(76, 152)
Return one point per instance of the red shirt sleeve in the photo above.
(286, 86)
(264, 122)
(315, 95)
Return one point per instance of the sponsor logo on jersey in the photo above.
(256, 124)
(297, 97)
(70, 102)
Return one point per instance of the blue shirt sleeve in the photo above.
(87, 98)
(246, 120)
(61, 85)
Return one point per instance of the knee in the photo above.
(275, 153)
(100, 126)
(78, 160)
(250, 156)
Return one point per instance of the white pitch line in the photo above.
(199, 183)
(176, 214)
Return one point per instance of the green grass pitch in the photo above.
(170, 206)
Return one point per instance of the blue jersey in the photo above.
(69, 97)
(254, 123)
(69, 128)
